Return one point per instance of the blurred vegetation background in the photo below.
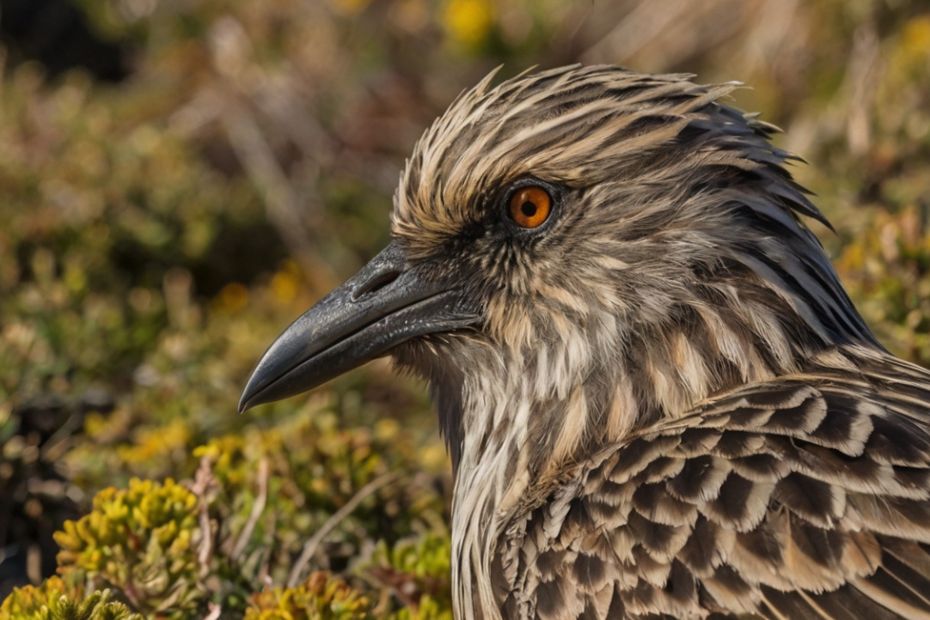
(181, 178)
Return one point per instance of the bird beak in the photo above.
(385, 304)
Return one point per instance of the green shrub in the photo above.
(55, 600)
(417, 572)
(320, 597)
(141, 541)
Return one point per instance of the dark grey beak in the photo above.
(383, 305)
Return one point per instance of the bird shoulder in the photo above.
(805, 496)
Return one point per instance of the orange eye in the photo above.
(530, 206)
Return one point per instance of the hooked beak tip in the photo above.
(258, 389)
(244, 405)
(247, 400)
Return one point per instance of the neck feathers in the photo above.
(546, 405)
(524, 418)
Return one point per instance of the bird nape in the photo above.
(658, 399)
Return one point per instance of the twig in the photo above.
(214, 613)
(311, 545)
(283, 205)
(861, 73)
(641, 24)
(203, 480)
(264, 570)
(257, 509)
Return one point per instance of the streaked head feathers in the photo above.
(675, 217)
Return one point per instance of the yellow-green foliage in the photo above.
(426, 608)
(140, 540)
(888, 267)
(325, 464)
(320, 597)
(261, 495)
(309, 467)
(425, 558)
(417, 570)
(56, 600)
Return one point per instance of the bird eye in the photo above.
(529, 206)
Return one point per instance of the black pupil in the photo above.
(528, 209)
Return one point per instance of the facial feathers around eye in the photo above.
(657, 397)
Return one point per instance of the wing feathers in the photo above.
(801, 498)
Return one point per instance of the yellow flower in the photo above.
(468, 22)
(916, 37)
(350, 7)
(285, 284)
(232, 297)
(154, 444)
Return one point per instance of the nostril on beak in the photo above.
(376, 282)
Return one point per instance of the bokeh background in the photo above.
(181, 178)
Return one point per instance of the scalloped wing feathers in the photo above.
(804, 497)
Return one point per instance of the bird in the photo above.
(658, 399)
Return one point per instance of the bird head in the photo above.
(575, 252)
